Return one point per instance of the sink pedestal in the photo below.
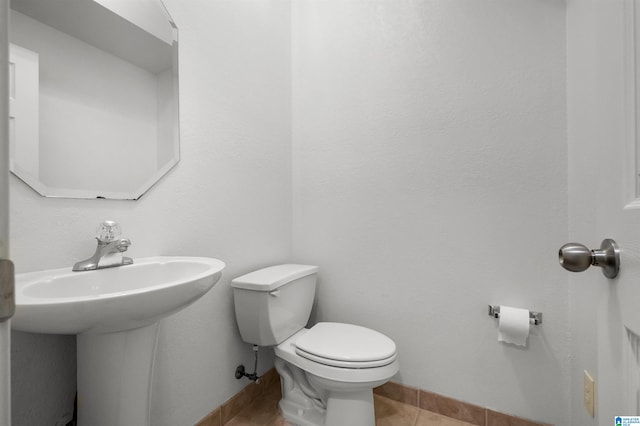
(114, 377)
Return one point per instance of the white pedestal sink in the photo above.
(115, 313)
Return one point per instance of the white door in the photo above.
(604, 199)
(6, 293)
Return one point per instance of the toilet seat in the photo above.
(287, 352)
(346, 346)
(346, 364)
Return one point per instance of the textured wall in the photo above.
(229, 198)
(429, 174)
(429, 180)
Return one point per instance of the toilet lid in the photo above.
(346, 345)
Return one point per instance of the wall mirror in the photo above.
(93, 96)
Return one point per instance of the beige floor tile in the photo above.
(212, 419)
(263, 412)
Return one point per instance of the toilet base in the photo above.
(308, 400)
(346, 404)
(355, 408)
(301, 404)
(300, 415)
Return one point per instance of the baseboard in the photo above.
(450, 407)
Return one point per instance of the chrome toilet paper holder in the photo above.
(534, 317)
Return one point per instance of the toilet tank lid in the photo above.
(268, 279)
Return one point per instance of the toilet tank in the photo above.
(274, 303)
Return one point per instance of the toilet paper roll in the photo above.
(513, 325)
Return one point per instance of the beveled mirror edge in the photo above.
(41, 189)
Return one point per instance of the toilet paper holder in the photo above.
(534, 317)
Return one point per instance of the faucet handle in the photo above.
(108, 231)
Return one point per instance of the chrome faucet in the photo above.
(109, 251)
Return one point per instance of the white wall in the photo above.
(229, 198)
(429, 178)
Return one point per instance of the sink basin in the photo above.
(115, 312)
(60, 301)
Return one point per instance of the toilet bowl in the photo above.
(342, 387)
(327, 371)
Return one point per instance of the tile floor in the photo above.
(395, 405)
(264, 412)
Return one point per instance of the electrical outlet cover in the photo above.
(589, 394)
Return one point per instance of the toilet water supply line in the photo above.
(240, 371)
(295, 375)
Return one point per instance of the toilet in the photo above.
(328, 371)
